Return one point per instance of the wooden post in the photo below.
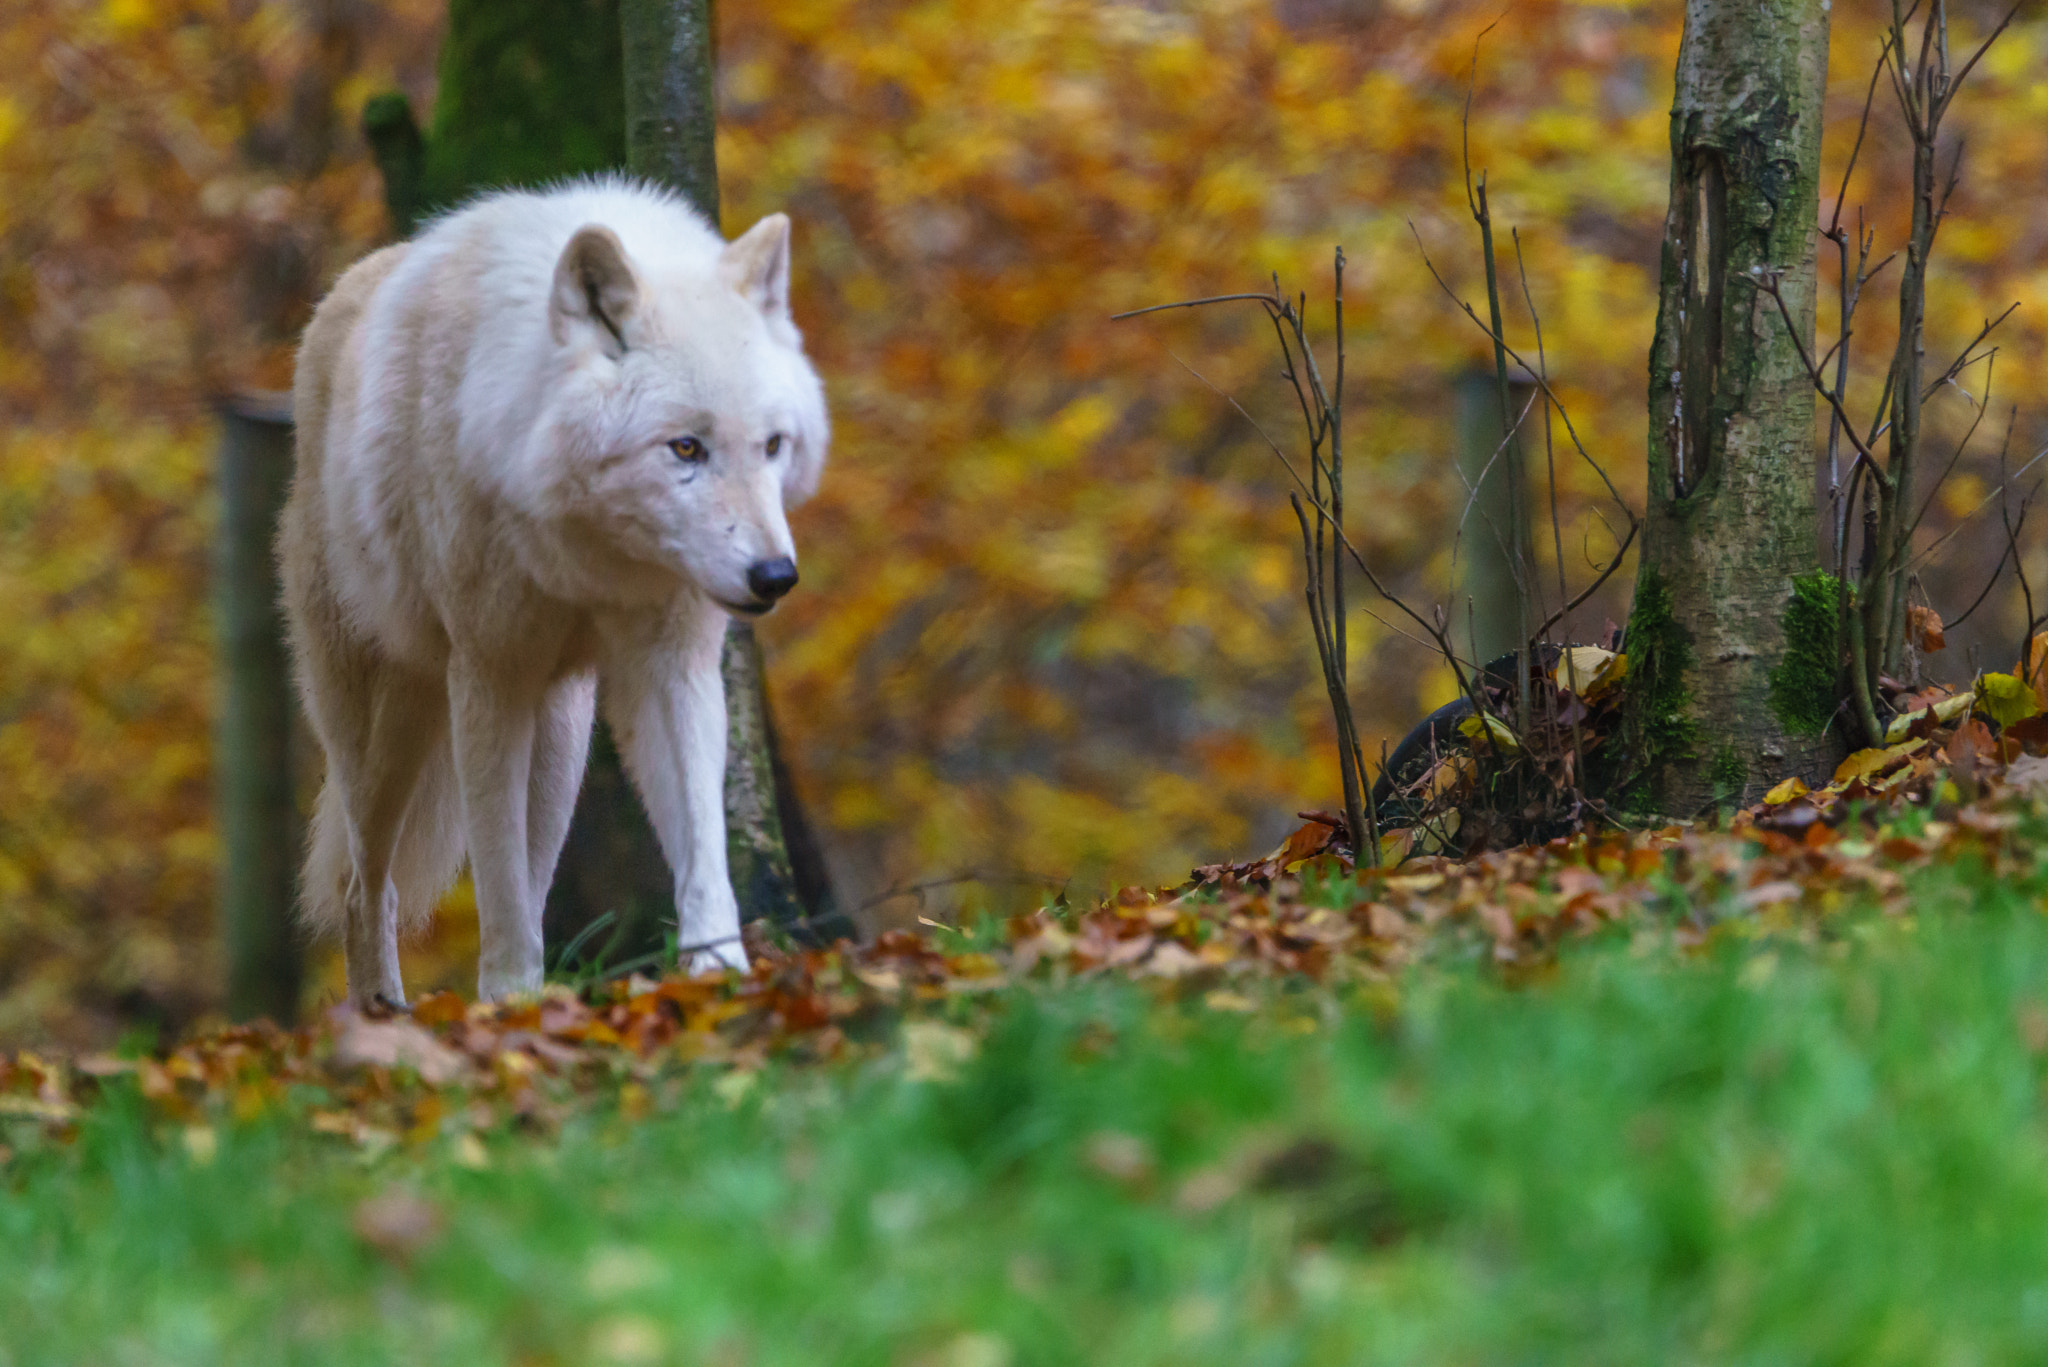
(259, 820)
(1487, 617)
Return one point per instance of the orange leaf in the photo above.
(2037, 667)
(1306, 843)
(439, 1008)
(1925, 625)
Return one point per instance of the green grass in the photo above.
(1776, 1152)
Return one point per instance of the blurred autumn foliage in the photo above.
(1051, 614)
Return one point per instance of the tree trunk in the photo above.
(671, 127)
(1731, 512)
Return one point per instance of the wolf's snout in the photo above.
(770, 579)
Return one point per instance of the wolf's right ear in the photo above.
(756, 264)
(595, 292)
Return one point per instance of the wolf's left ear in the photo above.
(756, 264)
(595, 290)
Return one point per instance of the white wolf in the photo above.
(543, 449)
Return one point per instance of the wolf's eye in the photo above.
(775, 444)
(689, 450)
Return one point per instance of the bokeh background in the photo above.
(1051, 621)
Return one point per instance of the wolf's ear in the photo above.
(756, 264)
(595, 290)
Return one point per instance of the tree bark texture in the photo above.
(671, 97)
(671, 128)
(259, 819)
(1731, 512)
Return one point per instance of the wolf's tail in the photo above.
(428, 857)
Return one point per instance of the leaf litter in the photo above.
(1958, 784)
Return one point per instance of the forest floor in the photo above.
(1770, 1094)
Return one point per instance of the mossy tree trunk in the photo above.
(1731, 512)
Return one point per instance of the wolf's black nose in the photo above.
(770, 579)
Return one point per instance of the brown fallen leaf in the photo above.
(395, 1043)
(1924, 624)
(2028, 771)
(1122, 1158)
(397, 1223)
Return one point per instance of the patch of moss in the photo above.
(531, 91)
(1728, 774)
(1660, 728)
(1806, 683)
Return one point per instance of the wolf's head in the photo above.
(687, 418)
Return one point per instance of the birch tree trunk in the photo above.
(1731, 512)
(671, 127)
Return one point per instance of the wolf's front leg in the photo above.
(492, 728)
(665, 702)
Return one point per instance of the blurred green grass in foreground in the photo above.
(1780, 1151)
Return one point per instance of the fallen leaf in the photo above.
(439, 1008)
(397, 1222)
(1792, 787)
(1945, 712)
(1497, 732)
(1589, 671)
(934, 1051)
(395, 1043)
(1122, 1158)
(1172, 960)
(1924, 624)
(2006, 698)
(2028, 771)
(1867, 764)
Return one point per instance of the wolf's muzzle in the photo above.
(771, 579)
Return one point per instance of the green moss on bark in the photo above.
(1661, 728)
(530, 91)
(1806, 684)
(1728, 774)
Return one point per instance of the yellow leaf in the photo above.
(1865, 764)
(1589, 671)
(1945, 711)
(2006, 698)
(1497, 731)
(1792, 787)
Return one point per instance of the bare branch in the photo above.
(1541, 382)
(1266, 299)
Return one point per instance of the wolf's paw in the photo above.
(718, 958)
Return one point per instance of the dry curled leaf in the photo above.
(1924, 625)
(397, 1223)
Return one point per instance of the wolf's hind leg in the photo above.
(407, 723)
(561, 748)
(429, 852)
(493, 730)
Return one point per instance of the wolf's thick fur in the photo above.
(542, 450)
